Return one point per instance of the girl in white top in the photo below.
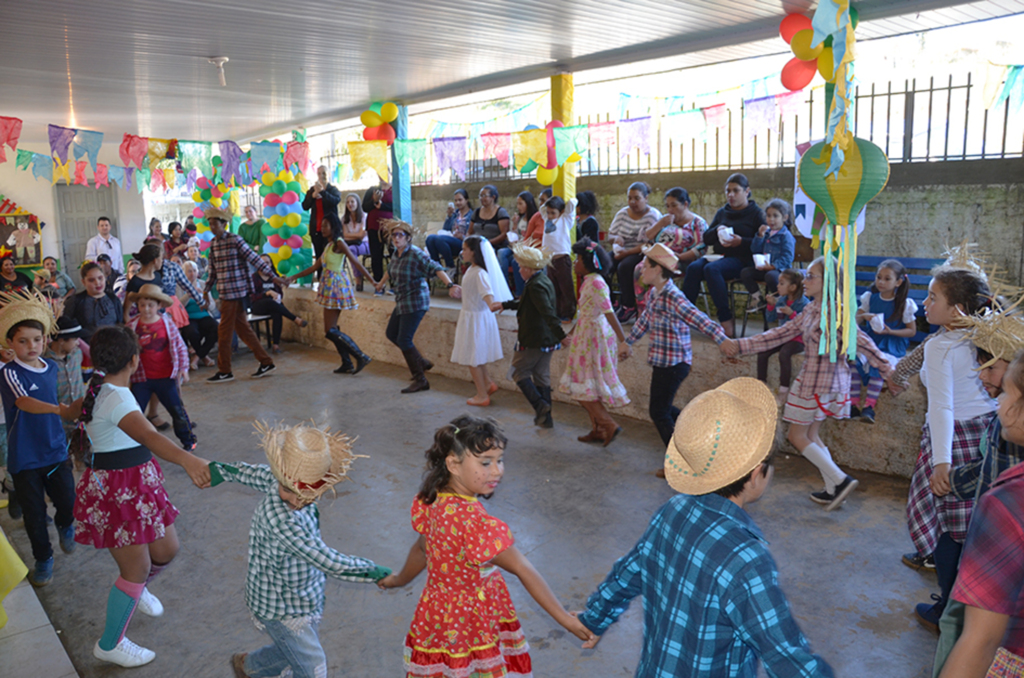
(477, 341)
(558, 226)
(122, 505)
(959, 411)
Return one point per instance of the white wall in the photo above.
(37, 196)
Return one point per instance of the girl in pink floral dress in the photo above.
(591, 376)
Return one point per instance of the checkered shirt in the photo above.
(409, 273)
(174, 277)
(668, 315)
(991, 573)
(228, 258)
(973, 479)
(287, 557)
(712, 602)
(818, 375)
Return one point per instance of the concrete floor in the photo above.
(574, 509)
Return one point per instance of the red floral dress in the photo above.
(465, 624)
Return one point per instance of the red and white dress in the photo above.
(465, 624)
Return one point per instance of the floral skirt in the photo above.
(335, 292)
(122, 507)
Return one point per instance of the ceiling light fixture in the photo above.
(219, 63)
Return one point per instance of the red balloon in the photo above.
(387, 132)
(276, 241)
(797, 74)
(370, 133)
(272, 200)
(793, 24)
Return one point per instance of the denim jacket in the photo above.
(779, 246)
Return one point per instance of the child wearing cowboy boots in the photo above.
(540, 331)
(288, 559)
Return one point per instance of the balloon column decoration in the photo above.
(810, 56)
(378, 119)
(209, 194)
(287, 224)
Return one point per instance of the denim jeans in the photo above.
(299, 650)
(508, 261)
(665, 382)
(402, 328)
(167, 393)
(717, 274)
(444, 246)
(31, 487)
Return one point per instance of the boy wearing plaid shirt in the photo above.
(288, 559)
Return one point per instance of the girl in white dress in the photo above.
(477, 341)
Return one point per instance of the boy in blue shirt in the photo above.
(37, 456)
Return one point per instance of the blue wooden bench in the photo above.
(919, 273)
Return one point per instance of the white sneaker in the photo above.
(150, 604)
(126, 654)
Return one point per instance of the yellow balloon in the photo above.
(575, 157)
(222, 188)
(267, 179)
(275, 257)
(284, 251)
(826, 66)
(371, 119)
(388, 112)
(286, 176)
(276, 221)
(801, 45)
(292, 220)
(546, 177)
(215, 202)
(197, 196)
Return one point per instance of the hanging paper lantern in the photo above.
(865, 173)
(797, 74)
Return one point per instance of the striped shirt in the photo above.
(668, 315)
(633, 231)
(228, 272)
(33, 440)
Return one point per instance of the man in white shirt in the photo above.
(105, 243)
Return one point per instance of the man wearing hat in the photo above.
(107, 264)
(228, 258)
(712, 602)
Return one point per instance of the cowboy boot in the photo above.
(595, 434)
(362, 360)
(334, 336)
(415, 362)
(540, 406)
(546, 421)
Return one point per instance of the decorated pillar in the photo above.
(401, 176)
(561, 109)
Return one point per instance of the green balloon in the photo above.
(217, 162)
(205, 194)
(294, 186)
(828, 41)
(267, 230)
(279, 187)
(284, 267)
(376, 106)
(264, 191)
(529, 166)
(300, 230)
(284, 232)
(854, 17)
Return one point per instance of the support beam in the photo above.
(401, 177)
(561, 109)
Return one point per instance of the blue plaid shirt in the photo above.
(668, 316)
(712, 602)
(409, 273)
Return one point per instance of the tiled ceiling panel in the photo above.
(141, 66)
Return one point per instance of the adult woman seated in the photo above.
(447, 244)
(490, 220)
(680, 230)
(201, 331)
(176, 244)
(628, 234)
(94, 307)
(12, 280)
(268, 299)
(353, 227)
(586, 219)
(65, 285)
(526, 208)
(155, 230)
(730, 233)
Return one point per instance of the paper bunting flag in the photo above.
(88, 144)
(129, 172)
(196, 155)
(569, 140)
(265, 156)
(412, 151)
(602, 133)
(451, 155)
(789, 103)
(191, 179)
(1012, 89)
(10, 132)
(60, 140)
(101, 175)
(42, 166)
(116, 175)
(170, 176)
(133, 149)
(157, 151)
(62, 171)
(229, 155)
(366, 155)
(497, 146)
(685, 126)
(298, 135)
(529, 145)
(297, 153)
(142, 179)
(80, 167)
(636, 133)
(24, 159)
(716, 116)
(759, 115)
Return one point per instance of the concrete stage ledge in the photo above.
(889, 446)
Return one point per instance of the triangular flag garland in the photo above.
(60, 141)
(88, 144)
(635, 133)
(451, 156)
(497, 146)
(415, 151)
(10, 132)
(366, 155)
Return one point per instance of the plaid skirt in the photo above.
(929, 516)
(335, 292)
(1006, 665)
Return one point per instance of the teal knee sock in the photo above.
(120, 605)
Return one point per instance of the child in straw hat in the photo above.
(288, 559)
(712, 601)
(540, 331)
(37, 456)
(465, 623)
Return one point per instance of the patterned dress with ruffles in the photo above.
(465, 624)
(592, 369)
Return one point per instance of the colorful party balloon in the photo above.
(801, 45)
(793, 24)
(797, 74)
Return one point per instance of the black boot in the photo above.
(545, 393)
(540, 406)
(415, 362)
(334, 336)
(362, 360)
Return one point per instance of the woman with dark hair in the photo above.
(628, 234)
(201, 331)
(586, 222)
(151, 256)
(12, 280)
(730, 235)
(447, 244)
(65, 286)
(268, 299)
(490, 220)
(378, 207)
(176, 244)
(680, 230)
(526, 207)
(155, 229)
(353, 225)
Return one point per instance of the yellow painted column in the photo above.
(561, 109)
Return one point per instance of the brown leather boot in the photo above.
(415, 362)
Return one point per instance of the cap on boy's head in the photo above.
(721, 436)
(68, 328)
(103, 258)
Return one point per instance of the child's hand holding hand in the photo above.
(573, 624)
(625, 351)
(388, 582)
(198, 470)
(497, 307)
(730, 348)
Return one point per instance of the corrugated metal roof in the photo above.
(141, 66)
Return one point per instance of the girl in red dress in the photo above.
(465, 624)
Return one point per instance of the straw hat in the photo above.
(42, 273)
(389, 226)
(16, 307)
(999, 331)
(217, 213)
(721, 436)
(660, 254)
(151, 291)
(306, 459)
(531, 257)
